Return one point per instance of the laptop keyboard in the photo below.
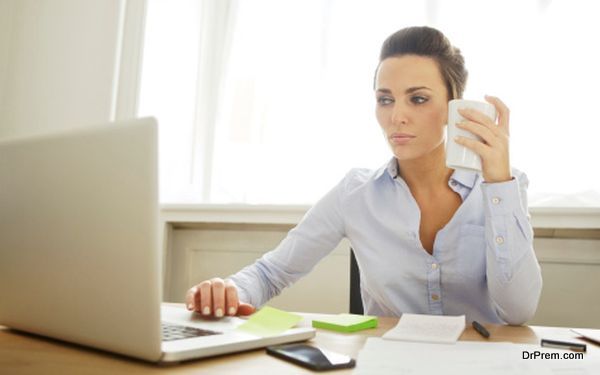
(172, 332)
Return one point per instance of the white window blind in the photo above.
(270, 101)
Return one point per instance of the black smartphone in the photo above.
(311, 357)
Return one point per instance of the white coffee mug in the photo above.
(458, 156)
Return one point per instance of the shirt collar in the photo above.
(390, 167)
(463, 177)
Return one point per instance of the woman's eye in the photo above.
(417, 99)
(384, 100)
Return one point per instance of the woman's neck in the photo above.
(428, 173)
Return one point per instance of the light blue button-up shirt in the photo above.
(483, 264)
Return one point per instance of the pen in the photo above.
(574, 346)
(481, 329)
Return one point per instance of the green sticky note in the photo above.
(269, 321)
(346, 322)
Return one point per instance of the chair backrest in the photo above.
(356, 306)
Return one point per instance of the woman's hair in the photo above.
(429, 42)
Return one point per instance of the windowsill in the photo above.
(233, 213)
(541, 217)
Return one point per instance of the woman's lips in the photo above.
(400, 138)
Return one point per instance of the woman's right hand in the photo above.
(216, 298)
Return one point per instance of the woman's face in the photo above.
(412, 105)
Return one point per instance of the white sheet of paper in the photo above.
(427, 328)
(381, 357)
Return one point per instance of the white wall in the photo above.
(58, 63)
(6, 27)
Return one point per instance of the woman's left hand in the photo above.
(494, 146)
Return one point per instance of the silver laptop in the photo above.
(80, 258)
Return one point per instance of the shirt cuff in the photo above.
(243, 295)
(501, 198)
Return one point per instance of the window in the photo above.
(271, 101)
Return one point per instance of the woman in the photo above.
(428, 239)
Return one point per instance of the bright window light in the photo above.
(275, 104)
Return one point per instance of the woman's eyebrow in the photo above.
(416, 88)
(407, 91)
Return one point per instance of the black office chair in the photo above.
(356, 306)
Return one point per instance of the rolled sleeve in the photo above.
(502, 198)
(514, 277)
(509, 232)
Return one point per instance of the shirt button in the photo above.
(435, 297)
(499, 240)
(453, 183)
(495, 200)
(434, 266)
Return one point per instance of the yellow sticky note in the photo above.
(269, 321)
